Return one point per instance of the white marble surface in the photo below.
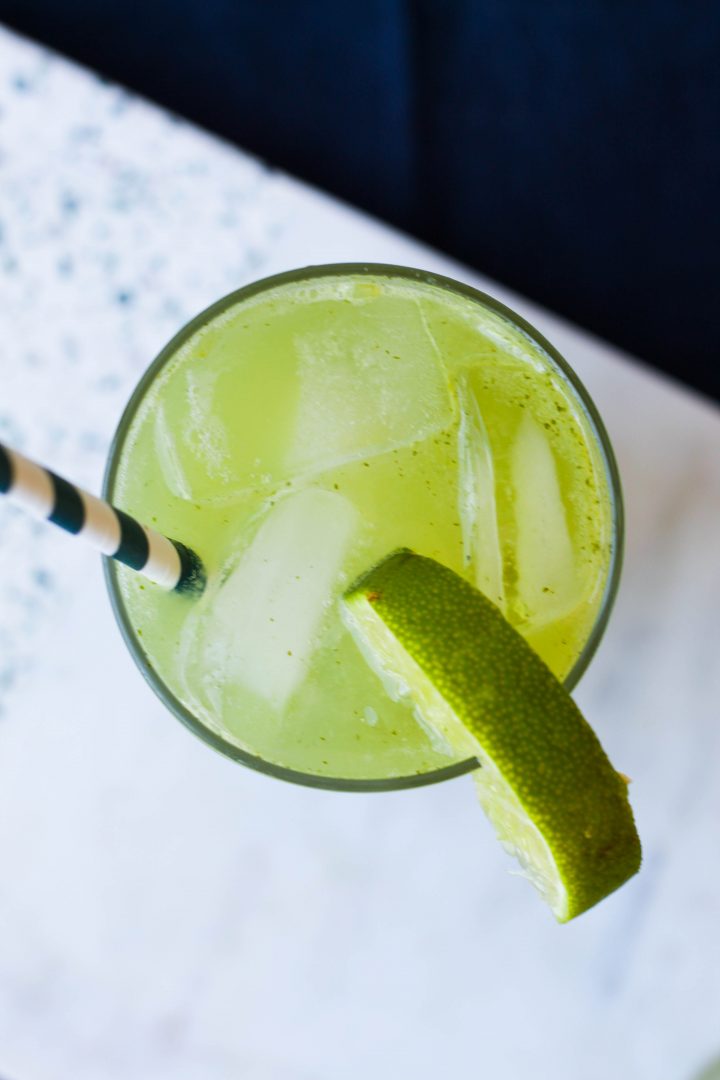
(165, 913)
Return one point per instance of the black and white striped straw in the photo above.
(167, 562)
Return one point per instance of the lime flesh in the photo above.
(544, 780)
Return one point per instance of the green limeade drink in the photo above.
(298, 432)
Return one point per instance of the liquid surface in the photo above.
(302, 436)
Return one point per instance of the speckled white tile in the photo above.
(167, 914)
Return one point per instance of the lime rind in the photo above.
(544, 780)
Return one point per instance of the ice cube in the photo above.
(370, 381)
(204, 431)
(193, 451)
(477, 505)
(257, 629)
(546, 585)
(221, 419)
(169, 457)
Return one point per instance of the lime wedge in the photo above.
(544, 780)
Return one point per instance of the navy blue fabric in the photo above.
(569, 149)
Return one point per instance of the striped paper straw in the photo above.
(113, 532)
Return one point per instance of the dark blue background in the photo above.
(568, 147)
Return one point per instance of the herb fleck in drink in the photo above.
(297, 433)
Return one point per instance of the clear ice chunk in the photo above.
(169, 457)
(294, 396)
(219, 429)
(547, 586)
(257, 629)
(477, 507)
(371, 384)
(193, 452)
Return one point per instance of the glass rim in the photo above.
(171, 702)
